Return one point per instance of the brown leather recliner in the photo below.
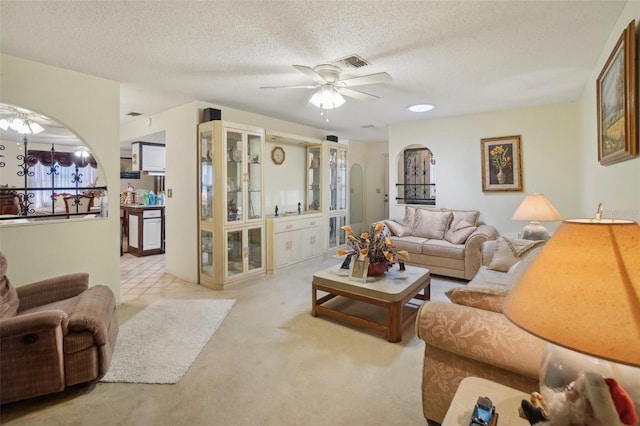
(53, 334)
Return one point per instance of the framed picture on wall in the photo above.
(125, 169)
(501, 164)
(617, 102)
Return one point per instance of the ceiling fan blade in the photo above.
(289, 87)
(379, 78)
(310, 73)
(361, 96)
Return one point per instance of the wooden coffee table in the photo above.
(391, 291)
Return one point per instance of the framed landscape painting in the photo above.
(501, 164)
(617, 102)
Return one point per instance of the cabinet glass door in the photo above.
(235, 174)
(333, 232)
(333, 178)
(341, 180)
(313, 179)
(342, 235)
(234, 253)
(254, 177)
(206, 153)
(254, 244)
(206, 253)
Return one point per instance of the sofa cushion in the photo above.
(463, 224)
(431, 223)
(410, 243)
(509, 251)
(443, 248)
(398, 229)
(489, 298)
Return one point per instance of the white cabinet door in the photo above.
(153, 158)
(310, 242)
(286, 246)
(152, 234)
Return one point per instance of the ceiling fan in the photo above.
(22, 120)
(331, 87)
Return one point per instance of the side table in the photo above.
(505, 399)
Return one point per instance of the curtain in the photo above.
(42, 179)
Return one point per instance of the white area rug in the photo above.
(159, 343)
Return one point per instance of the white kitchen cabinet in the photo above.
(148, 157)
(146, 229)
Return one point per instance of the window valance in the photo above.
(65, 159)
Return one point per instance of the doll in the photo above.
(590, 400)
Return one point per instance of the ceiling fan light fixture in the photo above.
(420, 107)
(4, 124)
(327, 97)
(35, 127)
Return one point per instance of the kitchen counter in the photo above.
(145, 228)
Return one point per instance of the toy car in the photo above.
(483, 412)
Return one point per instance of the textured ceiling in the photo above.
(462, 56)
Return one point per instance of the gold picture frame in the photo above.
(617, 102)
(501, 164)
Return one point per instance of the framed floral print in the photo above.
(501, 164)
(617, 102)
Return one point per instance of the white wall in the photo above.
(617, 186)
(180, 126)
(549, 162)
(89, 107)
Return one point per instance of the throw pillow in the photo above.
(470, 216)
(509, 251)
(459, 231)
(486, 298)
(409, 216)
(8, 296)
(397, 228)
(431, 223)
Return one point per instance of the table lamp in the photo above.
(582, 294)
(536, 208)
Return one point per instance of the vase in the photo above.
(502, 178)
(377, 269)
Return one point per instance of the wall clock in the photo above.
(277, 155)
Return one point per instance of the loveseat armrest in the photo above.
(485, 336)
(31, 349)
(52, 290)
(473, 249)
(32, 323)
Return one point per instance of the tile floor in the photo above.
(144, 276)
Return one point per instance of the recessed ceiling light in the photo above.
(420, 108)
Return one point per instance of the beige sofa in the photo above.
(445, 241)
(471, 336)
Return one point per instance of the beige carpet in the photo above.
(269, 363)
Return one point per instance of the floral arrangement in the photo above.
(375, 246)
(499, 157)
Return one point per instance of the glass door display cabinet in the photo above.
(231, 217)
(337, 193)
(314, 202)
